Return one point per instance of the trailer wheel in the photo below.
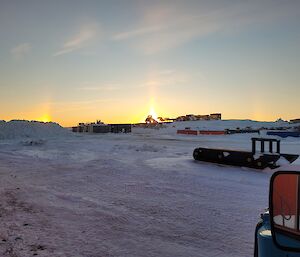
(249, 159)
(195, 154)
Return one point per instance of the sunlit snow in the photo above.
(138, 194)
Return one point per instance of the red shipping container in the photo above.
(187, 132)
(212, 132)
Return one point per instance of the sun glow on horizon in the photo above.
(153, 113)
(45, 118)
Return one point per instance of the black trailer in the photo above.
(241, 131)
(120, 128)
(101, 129)
(253, 159)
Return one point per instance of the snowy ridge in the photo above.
(18, 129)
(228, 124)
(172, 128)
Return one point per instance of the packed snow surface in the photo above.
(127, 195)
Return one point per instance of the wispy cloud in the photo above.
(82, 102)
(163, 27)
(20, 51)
(154, 79)
(89, 86)
(167, 72)
(80, 40)
(165, 78)
(167, 30)
(89, 104)
(137, 32)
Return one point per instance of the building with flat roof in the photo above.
(215, 116)
(100, 127)
(295, 121)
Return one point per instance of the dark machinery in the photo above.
(254, 159)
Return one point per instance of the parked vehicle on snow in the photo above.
(277, 234)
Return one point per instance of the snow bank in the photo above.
(228, 124)
(212, 125)
(19, 129)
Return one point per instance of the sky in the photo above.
(119, 60)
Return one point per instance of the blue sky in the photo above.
(72, 61)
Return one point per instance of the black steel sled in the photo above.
(256, 160)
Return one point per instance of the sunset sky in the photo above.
(78, 61)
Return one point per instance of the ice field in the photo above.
(138, 194)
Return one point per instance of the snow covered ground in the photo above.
(138, 194)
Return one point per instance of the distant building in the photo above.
(168, 120)
(80, 128)
(295, 121)
(96, 128)
(151, 120)
(120, 128)
(202, 117)
(215, 116)
(181, 118)
(100, 127)
(191, 117)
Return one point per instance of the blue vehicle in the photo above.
(278, 232)
(284, 134)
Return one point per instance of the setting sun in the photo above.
(143, 128)
(45, 118)
(153, 113)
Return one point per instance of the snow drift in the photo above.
(19, 129)
(128, 195)
(172, 128)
